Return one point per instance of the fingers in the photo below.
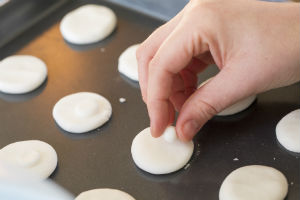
(223, 90)
(174, 54)
(185, 83)
(148, 48)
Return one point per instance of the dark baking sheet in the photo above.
(102, 159)
(18, 15)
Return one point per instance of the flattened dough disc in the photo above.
(288, 131)
(38, 157)
(88, 24)
(254, 182)
(104, 194)
(128, 63)
(82, 112)
(21, 74)
(161, 155)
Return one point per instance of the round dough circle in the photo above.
(159, 156)
(82, 112)
(288, 131)
(88, 24)
(254, 182)
(21, 74)
(235, 108)
(36, 156)
(105, 194)
(128, 63)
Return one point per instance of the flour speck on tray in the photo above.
(122, 100)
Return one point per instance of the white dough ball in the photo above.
(288, 131)
(82, 112)
(159, 156)
(88, 24)
(38, 157)
(254, 182)
(105, 194)
(235, 108)
(170, 134)
(128, 63)
(21, 74)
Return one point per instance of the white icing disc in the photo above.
(38, 157)
(254, 182)
(128, 63)
(88, 24)
(21, 74)
(288, 131)
(105, 194)
(235, 108)
(82, 112)
(162, 155)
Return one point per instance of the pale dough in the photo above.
(288, 131)
(235, 108)
(128, 63)
(88, 24)
(38, 157)
(82, 112)
(21, 74)
(105, 194)
(254, 182)
(162, 155)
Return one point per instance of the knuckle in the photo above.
(204, 110)
(205, 9)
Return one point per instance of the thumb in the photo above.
(225, 89)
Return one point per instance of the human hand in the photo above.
(255, 45)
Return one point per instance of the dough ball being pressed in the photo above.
(105, 194)
(36, 156)
(288, 131)
(21, 74)
(254, 182)
(235, 108)
(88, 24)
(128, 63)
(82, 112)
(162, 155)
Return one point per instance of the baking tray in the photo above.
(101, 158)
(18, 15)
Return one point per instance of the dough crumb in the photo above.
(122, 100)
(235, 159)
(274, 158)
(102, 50)
(292, 183)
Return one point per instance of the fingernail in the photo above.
(190, 128)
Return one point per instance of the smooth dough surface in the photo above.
(128, 63)
(162, 155)
(288, 131)
(21, 74)
(235, 108)
(105, 194)
(82, 112)
(38, 157)
(254, 182)
(88, 24)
